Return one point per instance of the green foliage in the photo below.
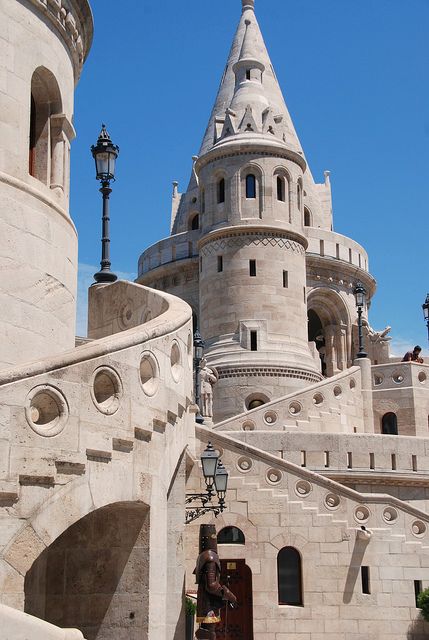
(423, 603)
(191, 607)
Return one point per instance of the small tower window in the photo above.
(195, 222)
(247, 74)
(299, 195)
(221, 191)
(252, 268)
(307, 218)
(219, 264)
(280, 189)
(366, 586)
(203, 201)
(250, 186)
(253, 341)
(285, 279)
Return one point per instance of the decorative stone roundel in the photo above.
(422, 377)
(244, 464)
(332, 501)
(249, 425)
(270, 417)
(378, 379)
(398, 377)
(46, 411)
(149, 373)
(295, 408)
(362, 514)
(418, 528)
(338, 392)
(125, 316)
(303, 488)
(274, 476)
(352, 384)
(318, 399)
(106, 390)
(390, 515)
(176, 362)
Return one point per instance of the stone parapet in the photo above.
(72, 19)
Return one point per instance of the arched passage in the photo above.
(329, 318)
(95, 575)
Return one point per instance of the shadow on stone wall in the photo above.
(419, 630)
(95, 576)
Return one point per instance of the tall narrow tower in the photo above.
(239, 250)
(48, 42)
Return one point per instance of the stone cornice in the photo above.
(72, 19)
(240, 147)
(253, 230)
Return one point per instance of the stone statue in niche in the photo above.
(212, 596)
(208, 378)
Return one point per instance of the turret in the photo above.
(38, 240)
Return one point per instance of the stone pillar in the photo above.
(366, 375)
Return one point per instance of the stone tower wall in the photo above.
(43, 47)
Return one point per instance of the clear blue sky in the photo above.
(355, 78)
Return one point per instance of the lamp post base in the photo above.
(362, 354)
(105, 276)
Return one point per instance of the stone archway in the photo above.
(95, 575)
(328, 316)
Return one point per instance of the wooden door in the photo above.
(237, 624)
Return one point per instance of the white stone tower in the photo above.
(239, 251)
(38, 240)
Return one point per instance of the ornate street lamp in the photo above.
(198, 356)
(214, 474)
(360, 295)
(105, 154)
(425, 308)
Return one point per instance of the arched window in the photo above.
(221, 191)
(280, 188)
(299, 195)
(307, 218)
(46, 138)
(250, 186)
(231, 535)
(389, 424)
(194, 222)
(289, 575)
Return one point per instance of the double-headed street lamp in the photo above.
(425, 308)
(198, 356)
(105, 154)
(360, 296)
(216, 479)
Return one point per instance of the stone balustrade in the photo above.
(334, 245)
(178, 247)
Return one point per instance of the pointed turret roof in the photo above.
(249, 47)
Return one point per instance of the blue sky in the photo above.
(355, 78)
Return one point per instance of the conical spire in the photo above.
(249, 47)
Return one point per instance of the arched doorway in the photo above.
(237, 623)
(95, 576)
(329, 327)
(389, 424)
(316, 335)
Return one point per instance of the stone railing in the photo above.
(332, 405)
(178, 247)
(399, 375)
(17, 625)
(334, 245)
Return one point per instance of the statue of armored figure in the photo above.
(212, 596)
(208, 378)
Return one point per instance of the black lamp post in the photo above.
(360, 295)
(198, 356)
(215, 475)
(425, 308)
(105, 154)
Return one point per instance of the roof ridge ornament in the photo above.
(248, 4)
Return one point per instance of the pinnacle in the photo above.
(248, 4)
